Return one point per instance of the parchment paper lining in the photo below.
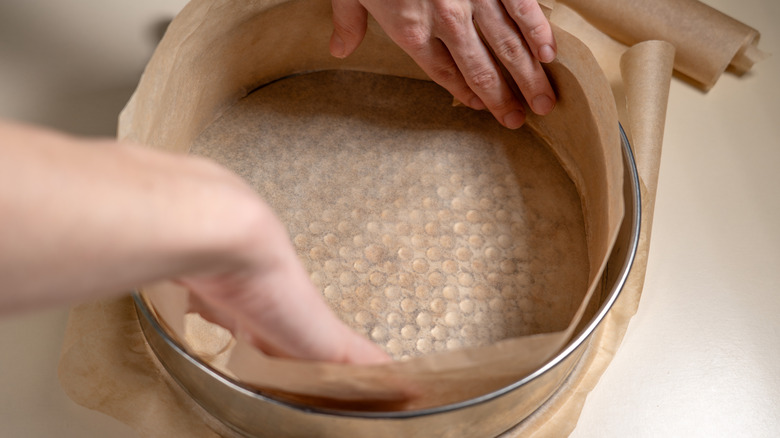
(590, 154)
(97, 363)
(427, 227)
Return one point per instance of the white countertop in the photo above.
(700, 359)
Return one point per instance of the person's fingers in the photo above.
(534, 26)
(287, 316)
(455, 28)
(349, 27)
(288, 321)
(512, 51)
(359, 350)
(436, 61)
(264, 293)
(209, 313)
(412, 33)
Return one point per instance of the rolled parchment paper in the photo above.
(706, 40)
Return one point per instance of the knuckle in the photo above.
(510, 49)
(451, 20)
(414, 37)
(482, 4)
(523, 8)
(484, 79)
(444, 73)
(537, 32)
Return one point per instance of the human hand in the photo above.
(251, 281)
(266, 295)
(443, 38)
(85, 219)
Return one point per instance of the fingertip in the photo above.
(349, 27)
(365, 352)
(477, 104)
(546, 54)
(377, 357)
(542, 104)
(338, 47)
(514, 119)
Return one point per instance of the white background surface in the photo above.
(701, 357)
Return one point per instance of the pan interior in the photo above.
(427, 227)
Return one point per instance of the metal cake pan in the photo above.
(252, 414)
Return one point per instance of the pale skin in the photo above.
(443, 37)
(84, 219)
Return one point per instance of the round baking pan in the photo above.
(252, 414)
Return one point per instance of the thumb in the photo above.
(349, 27)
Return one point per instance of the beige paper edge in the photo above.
(646, 72)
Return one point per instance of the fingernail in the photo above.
(514, 120)
(337, 45)
(543, 104)
(546, 54)
(477, 104)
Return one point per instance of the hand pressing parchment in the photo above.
(452, 41)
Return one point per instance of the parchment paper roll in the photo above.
(707, 41)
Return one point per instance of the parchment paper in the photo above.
(434, 228)
(706, 40)
(646, 72)
(440, 378)
(95, 326)
(189, 69)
